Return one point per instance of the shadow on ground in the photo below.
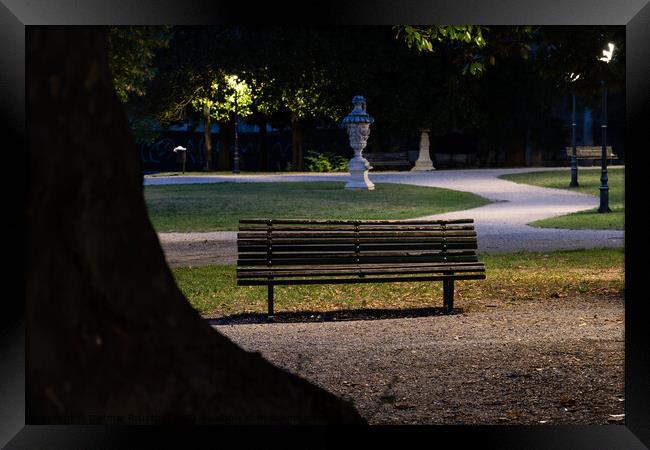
(328, 316)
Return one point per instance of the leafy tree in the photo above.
(131, 58)
(195, 58)
(131, 53)
(227, 96)
(444, 78)
(296, 73)
(424, 39)
(564, 50)
(529, 71)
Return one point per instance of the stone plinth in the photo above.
(423, 163)
(358, 167)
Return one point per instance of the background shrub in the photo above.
(316, 161)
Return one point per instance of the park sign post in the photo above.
(358, 127)
(182, 151)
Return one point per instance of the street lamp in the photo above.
(235, 166)
(604, 188)
(574, 160)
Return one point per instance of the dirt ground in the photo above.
(549, 361)
(555, 361)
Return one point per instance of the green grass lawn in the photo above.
(589, 181)
(214, 207)
(524, 276)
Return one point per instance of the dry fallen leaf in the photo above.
(566, 400)
(616, 418)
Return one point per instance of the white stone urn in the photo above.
(358, 127)
(423, 162)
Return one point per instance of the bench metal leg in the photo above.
(448, 295)
(270, 300)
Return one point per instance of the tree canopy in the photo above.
(131, 52)
(448, 78)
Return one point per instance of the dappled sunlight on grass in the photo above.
(518, 277)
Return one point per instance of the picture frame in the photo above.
(16, 15)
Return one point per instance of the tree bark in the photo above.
(298, 159)
(207, 139)
(516, 149)
(265, 162)
(110, 337)
(226, 132)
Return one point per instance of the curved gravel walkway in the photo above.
(502, 225)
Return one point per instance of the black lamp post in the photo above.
(574, 159)
(604, 188)
(235, 166)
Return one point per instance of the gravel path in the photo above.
(548, 361)
(501, 225)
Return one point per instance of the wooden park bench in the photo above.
(387, 160)
(294, 252)
(591, 153)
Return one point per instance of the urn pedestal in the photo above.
(357, 124)
(358, 167)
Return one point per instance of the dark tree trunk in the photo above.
(226, 137)
(207, 139)
(265, 162)
(298, 160)
(108, 331)
(516, 149)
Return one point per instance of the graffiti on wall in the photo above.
(159, 155)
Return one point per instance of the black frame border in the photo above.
(15, 15)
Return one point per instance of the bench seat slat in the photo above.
(362, 260)
(282, 249)
(361, 234)
(395, 254)
(243, 243)
(349, 228)
(351, 235)
(288, 268)
(390, 279)
(360, 272)
(352, 222)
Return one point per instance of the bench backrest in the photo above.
(268, 242)
(590, 152)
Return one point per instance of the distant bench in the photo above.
(591, 153)
(393, 159)
(294, 252)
